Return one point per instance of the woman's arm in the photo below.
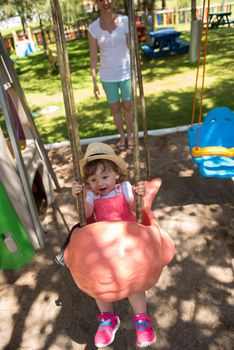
(93, 53)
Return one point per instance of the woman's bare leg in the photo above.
(127, 106)
(116, 112)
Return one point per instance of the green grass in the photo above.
(168, 86)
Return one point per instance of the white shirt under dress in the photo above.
(114, 52)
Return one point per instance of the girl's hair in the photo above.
(91, 167)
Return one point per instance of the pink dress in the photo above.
(114, 208)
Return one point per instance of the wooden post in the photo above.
(68, 97)
(132, 36)
(143, 110)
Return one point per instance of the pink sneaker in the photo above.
(109, 324)
(145, 334)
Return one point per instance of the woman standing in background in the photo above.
(109, 35)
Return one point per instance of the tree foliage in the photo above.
(16, 7)
(22, 8)
(72, 10)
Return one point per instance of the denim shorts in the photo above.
(116, 91)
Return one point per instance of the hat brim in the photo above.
(118, 161)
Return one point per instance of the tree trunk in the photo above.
(24, 23)
(125, 6)
(152, 6)
(42, 35)
(193, 10)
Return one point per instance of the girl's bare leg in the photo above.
(145, 334)
(104, 307)
(138, 302)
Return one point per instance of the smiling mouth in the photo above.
(102, 189)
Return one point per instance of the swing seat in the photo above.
(110, 260)
(215, 154)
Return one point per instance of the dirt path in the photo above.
(183, 81)
(191, 305)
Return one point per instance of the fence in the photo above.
(78, 30)
(181, 16)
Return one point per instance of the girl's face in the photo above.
(105, 5)
(103, 181)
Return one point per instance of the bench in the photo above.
(220, 18)
(183, 46)
(215, 25)
(148, 50)
(180, 46)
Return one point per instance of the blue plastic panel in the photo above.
(216, 130)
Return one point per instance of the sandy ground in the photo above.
(192, 304)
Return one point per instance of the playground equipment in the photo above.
(24, 45)
(211, 142)
(110, 260)
(15, 246)
(26, 173)
(215, 154)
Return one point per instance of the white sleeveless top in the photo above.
(114, 52)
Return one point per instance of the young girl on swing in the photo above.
(108, 197)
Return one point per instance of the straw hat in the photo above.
(99, 150)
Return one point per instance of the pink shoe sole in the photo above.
(112, 338)
(146, 343)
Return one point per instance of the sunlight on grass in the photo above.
(168, 87)
(53, 128)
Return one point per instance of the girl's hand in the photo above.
(140, 188)
(76, 188)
